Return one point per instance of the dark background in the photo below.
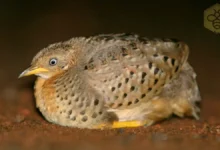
(28, 26)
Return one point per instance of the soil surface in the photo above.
(23, 127)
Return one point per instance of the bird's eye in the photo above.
(53, 61)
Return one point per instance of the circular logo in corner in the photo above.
(212, 18)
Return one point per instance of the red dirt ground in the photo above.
(22, 127)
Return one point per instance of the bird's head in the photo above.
(51, 61)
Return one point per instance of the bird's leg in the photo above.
(122, 124)
(156, 110)
(127, 124)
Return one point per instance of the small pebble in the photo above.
(19, 118)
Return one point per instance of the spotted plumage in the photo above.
(114, 80)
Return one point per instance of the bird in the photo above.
(117, 80)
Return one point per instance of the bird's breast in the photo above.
(45, 97)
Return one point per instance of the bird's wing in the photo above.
(129, 70)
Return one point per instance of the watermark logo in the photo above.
(212, 18)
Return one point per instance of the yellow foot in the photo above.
(127, 124)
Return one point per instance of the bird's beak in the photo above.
(31, 71)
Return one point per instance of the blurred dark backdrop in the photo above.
(28, 26)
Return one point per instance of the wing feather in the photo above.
(128, 69)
